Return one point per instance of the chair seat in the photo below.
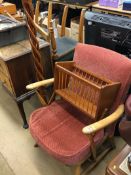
(65, 48)
(57, 128)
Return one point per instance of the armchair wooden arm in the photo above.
(40, 83)
(90, 129)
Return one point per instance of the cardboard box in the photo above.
(8, 7)
(75, 28)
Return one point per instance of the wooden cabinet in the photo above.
(17, 70)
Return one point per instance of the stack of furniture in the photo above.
(62, 48)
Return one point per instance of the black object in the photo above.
(127, 5)
(11, 31)
(108, 31)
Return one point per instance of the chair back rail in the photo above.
(63, 24)
(81, 25)
(50, 7)
(37, 11)
(35, 46)
(53, 42)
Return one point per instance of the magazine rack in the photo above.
(90, 93)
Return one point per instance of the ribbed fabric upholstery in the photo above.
(128, 107)
(125, 124)
(57, 128)
(125, 130)
(106, 63)
(109, 64)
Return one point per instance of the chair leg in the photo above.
(77, 170)
(112, 142)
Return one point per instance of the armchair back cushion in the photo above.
(106, 63)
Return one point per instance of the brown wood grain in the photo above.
(83, 90)
(16, 65)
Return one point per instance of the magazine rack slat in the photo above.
(88, 92)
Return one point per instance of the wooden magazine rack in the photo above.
(90, 93)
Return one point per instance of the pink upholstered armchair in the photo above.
(68, 134)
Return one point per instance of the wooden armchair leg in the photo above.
(111, 139)
(52, 98)
(77, 170)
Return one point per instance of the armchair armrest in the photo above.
(90, 129)
(40, 83)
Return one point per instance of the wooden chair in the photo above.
(65, 48)
(39, 62)
(37, 13)
(69, 129)
(62, 47)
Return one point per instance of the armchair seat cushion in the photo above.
(65, 48)
(57, 128)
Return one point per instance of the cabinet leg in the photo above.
(22, 112)
(36, 145)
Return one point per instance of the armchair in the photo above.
(70, 135)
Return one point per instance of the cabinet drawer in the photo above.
(6, 82)
(3, 67)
